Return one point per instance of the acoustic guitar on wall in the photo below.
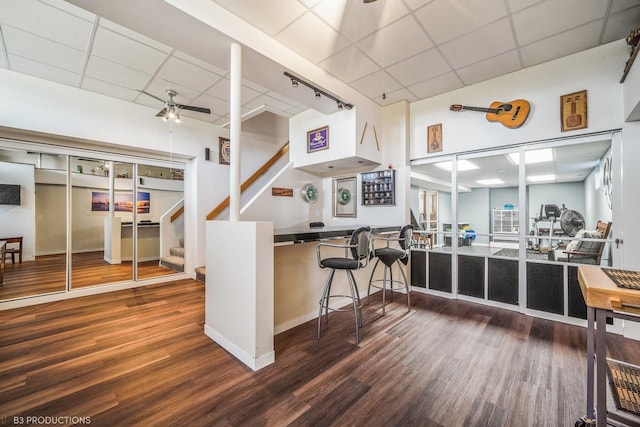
(511, 114)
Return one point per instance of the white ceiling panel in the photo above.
(447, 19)
(405, 49)
(436, 86)
(419, 68)
(122, 50)
(349, 64)
(43, 71)
(396, 42)
(269, 16)
(552, 17)
(186, 74)
(489, 68)
(43, 50)
(48, 22)
(563, 44)
(312, 38)
(479, 45)
(354, 21)
(117, 74)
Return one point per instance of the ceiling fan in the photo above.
(172, 108)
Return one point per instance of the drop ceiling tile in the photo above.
(269, 16)
(479, 45)
(47, 22)
(186, 74)
(490, 68)
(415, 4)
(43, 71)
(620, 5)
(420, 67)
(395, 96)
(355, 20)
(349, 64)
(563, 44)
(117, 74)
(436, 86)
(516, 5)
(376, 84)
(551, 17)
(125, 51)
(197, 62)
(105, 23)
(218, 106)
(3, 60)
(619, 25)
(159, 88)
(222, 87)
(48, 52)
(67, 7)
(108, 89)
(312, 38)
(400, 40)
(445, 20)
(268, 101)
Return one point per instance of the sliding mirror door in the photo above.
(160, 221)
(102, 222)
(33, 222)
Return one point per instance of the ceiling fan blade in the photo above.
(162, 113)
(152, 96)
(191, 108)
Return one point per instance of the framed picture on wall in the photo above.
(344, 196)
(573, 111)
(224, 151)
(318, 139)
(434, 138)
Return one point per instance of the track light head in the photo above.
(294, 83)
(318, 95)
(340, 105)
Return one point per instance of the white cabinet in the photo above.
(505, 225)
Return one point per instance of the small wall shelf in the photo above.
(379, 188)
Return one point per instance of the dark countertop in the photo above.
(306, 234)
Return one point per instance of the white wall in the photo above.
(19, 220)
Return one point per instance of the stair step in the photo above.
(175, 263)
(177, 251)
(200, 274)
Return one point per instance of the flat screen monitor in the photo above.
(9, 194)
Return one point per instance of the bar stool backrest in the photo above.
(405, 236)
(361, 238)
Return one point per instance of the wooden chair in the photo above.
(13, 247)
(590, 252)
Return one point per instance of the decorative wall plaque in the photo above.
(434, 138)
(573, 111)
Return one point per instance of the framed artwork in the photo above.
(434, 138)
(123, 202)
(224, 151)
(573, 111)
(344, 196)
(318, 139)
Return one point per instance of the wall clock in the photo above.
(310, 193)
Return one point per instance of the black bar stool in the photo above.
(356, 255)
(392, 255)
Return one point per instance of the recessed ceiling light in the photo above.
(463, 165)
(490, 181)
(541, 178)
(533, 156)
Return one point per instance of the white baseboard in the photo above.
(254, 363)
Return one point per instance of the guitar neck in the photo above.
(484, 110)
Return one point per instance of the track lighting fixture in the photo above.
(368, 1)
(319, 93)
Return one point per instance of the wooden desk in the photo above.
(604, 300)
(3, 245)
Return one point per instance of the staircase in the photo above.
(175, 260)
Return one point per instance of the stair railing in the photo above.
(253, 178)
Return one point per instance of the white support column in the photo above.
(235, 131)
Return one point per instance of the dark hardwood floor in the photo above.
(140, 357)
(47, 274)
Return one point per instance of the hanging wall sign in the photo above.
(224, 151)
(318, 139)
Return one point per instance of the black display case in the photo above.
(379, 188)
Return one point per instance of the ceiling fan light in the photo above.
(177, 118)
(165, 118)
(172, 113)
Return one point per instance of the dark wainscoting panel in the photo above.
(545, 290)
(503, 280)
(440, 271)
(577, 306)
(419, 269)
(471, 276)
